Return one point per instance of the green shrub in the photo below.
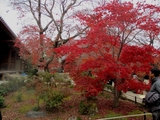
(46, 76)
(60, 77)
(87, 108)
(3, 90)
(35, 108)
(19, 97)
(79, 118)
(53, 100)
(2, 101)
(29, 69)
(14, 84)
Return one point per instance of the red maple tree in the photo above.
(50, 25)
(108, 51)
(28, 43)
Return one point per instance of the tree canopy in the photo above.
(52, 22)
(113, 41)
(110, 50)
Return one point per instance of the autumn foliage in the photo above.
(109, 51)
(28, 43)
(118, 42)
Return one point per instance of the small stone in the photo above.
(35, 114)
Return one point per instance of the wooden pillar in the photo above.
(9, 59)
(15, 62)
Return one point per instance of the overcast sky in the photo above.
(10, 15)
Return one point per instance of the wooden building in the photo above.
(10, 61)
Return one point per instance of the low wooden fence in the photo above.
(136, 99)
(129, 116)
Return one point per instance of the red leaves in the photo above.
(133, 85)
(88, 85)
(31, 44)
(138, 58)
(105, 52)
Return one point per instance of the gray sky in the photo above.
(10, 15)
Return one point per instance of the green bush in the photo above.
(87, 108)
(3, 90)
(14, 84)
(2, 101)
(53, 100)
(46, 76)
(61, 77)
(79, 118)
(29, 69)
(19, 97)
(35, 108)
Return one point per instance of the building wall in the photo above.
(9, 59)
(19, 65)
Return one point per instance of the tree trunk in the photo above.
(117, 94)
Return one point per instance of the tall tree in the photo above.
(52, 19)
(107, 51)
(149, 25)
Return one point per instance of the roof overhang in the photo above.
(5, 31)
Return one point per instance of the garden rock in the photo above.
(35, 114)
(73, 118)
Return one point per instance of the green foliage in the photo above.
(46, 76)
(2, 101)
(12, 85)
(52, 99)
(79, 118)
(27, 94)
(24, 108)
(3, 90)
(35, 108)
(87, 108)
(29, 70)
(58, 77)
(71, 86)
(19, 97)
(33, 72)
(61, 77)
(24, 94)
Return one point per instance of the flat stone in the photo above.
(35, 114)
(73, 118)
